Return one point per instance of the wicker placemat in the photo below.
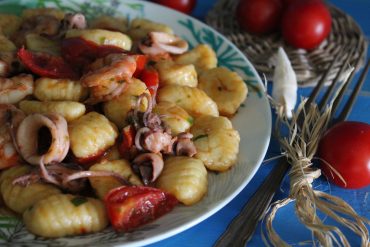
(308, 65)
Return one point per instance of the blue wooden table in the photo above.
(207, 232)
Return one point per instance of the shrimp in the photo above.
(15, 89)
(28, 138)
(109, 76)
(10, 118)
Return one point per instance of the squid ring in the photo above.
(27, 138)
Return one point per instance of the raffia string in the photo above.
(300, 146)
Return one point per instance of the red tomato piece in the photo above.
(81, 52)
(306, 23)
(259, 16)
(129, 207)
(126, 141)
(151, 79)
(141, 61)
(46, 65)
(346, 147)
(185, 6)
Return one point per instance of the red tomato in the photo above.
(129, 207)
(306, 23)
(151, 79)
(81, 52)
(141, 61)
(185, 6)
(126, 141)
(346, 147)
(259, 16)
(46, 65)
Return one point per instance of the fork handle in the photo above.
(244, 224)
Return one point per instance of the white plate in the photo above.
(253, 122)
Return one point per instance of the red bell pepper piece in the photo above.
(46, 65)
(151, 79)
(129, 207)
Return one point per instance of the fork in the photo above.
(243, 225)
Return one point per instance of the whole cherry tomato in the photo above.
(185, 6)
(306, 23)
(259, 16)
(346, 147)
(129, 207)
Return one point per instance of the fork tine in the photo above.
(339, 97)
(322, 80)
(331, 88)
(348, 107)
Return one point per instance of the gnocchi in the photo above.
(193, 100)
(38, 43)
(102, 185)
(117, 109)
(179, 74)
(68, 109)
(64, 215)
(91, 134)
(185, 178)
(216, 141)
(110, 23)
(139, 28)
(225, 87)
(18, 198)
(102, 37)
(9, 24)
(6, 45)
(29, 13)
(175, 117)
(47, 89)
(202, 56)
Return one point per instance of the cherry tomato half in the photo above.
(346, 147)
(129, 207)
(306, 23)
(46, 65)
(150, 77)
(185, 6)
(259, 16)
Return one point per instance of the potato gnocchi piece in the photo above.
(202, 56)
(19, 198)
(110, 23)
(225, 87)
(179, 74)
(176, 118)
(116, 110)
(6, 45)
(9, 24)
(65, 215)
(70, 110)
(38, 43)
(91, 134)
(102, 185)
(139, 28)
(47, 89)
(29, 13)
(194, 100)
(102, 37)
(185, 178)
(217, 143)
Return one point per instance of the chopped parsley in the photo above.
(77, 201)
(190, 120)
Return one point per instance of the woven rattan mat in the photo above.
(346, 36)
